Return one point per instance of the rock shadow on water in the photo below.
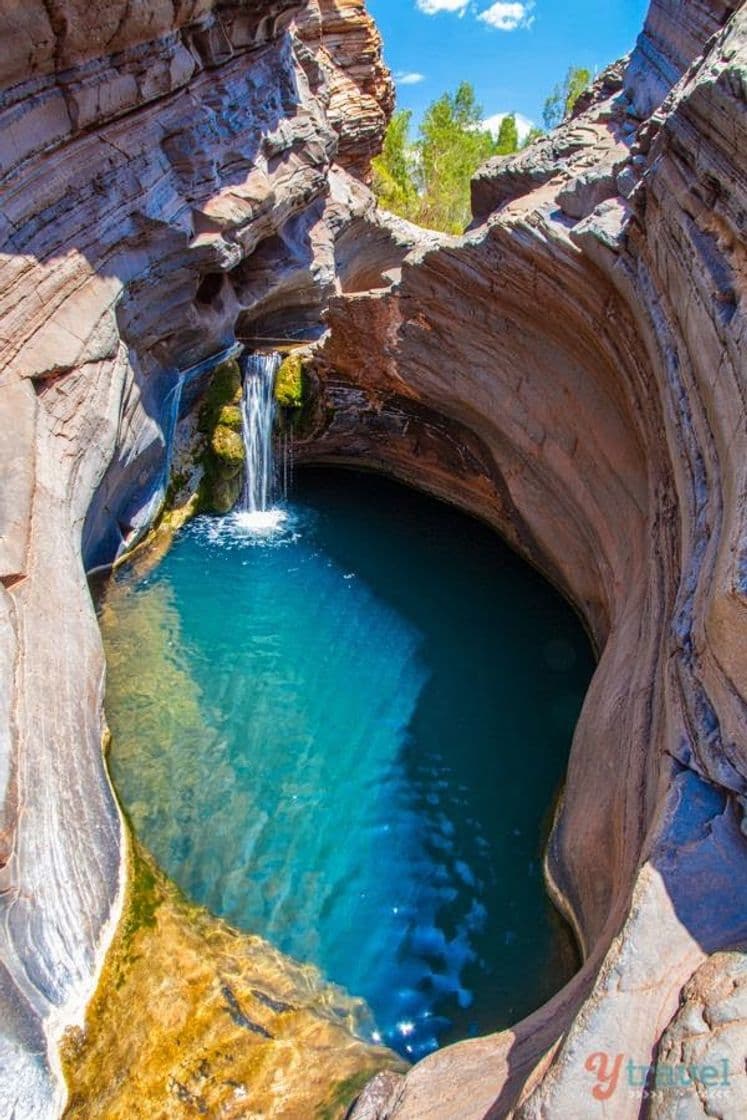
(437, 780)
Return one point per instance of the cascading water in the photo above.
(257, 417)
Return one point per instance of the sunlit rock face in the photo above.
(573, 371)
(360, 94)
(158, 162)
(673, 35)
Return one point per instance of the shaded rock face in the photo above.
(572, 371)
(589, 336)
(157, 161)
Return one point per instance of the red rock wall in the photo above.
(148, 151)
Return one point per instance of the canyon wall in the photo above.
(571, 371)
(158, 160)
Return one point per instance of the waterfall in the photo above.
(258, 415)
(172, 404)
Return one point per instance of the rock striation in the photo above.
(156, 160)
(347, 50)
(571, 371)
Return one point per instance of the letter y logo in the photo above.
(607, 1074)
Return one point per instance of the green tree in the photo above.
(428, 180)
(560, 104)
(533, 134)
(394, 181)
(508, 136)
(452, 145)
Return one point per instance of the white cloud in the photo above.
(508, 17)
(409, 77)
(431, 7)
(523, 125)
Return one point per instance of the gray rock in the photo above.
(378, 1095)
(626, 182)
(586, 192)
(505, 178)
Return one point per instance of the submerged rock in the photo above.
(193, 1018)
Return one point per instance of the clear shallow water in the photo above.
(346, 734)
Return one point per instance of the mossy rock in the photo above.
(219, 494)
(289, 382)
(230, 417)
(227, 446)
(224, 456)
(224, 389)
(226, 382)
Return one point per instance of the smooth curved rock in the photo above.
(577, 380)
(572, 371)
(147, 152)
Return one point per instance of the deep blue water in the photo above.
(348, 738)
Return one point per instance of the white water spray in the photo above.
(258, 416)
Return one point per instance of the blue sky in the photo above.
(513, 52)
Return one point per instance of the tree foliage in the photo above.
(508, 136)
(428, 180)
(560, 104)
(533, 134)
(453, 144)
(394, 171)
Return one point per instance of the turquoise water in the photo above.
(347, 737)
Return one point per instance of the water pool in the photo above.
(346, 734)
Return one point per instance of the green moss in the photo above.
(228, 447)
(220, 422)
(144, 897)
(343, 1095)
(289, 383)
(295, 396)
(230, 417)
(224, 388)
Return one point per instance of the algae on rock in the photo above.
(224, 456)
(294, 395)
(193, 1018)
(289, 382)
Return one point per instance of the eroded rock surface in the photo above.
(572, 371)
(701, 1054)
(156, 159)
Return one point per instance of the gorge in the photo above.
(179, 180)
(377, 729)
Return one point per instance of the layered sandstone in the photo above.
(572, 371)
(154, 158)
(348, 52)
